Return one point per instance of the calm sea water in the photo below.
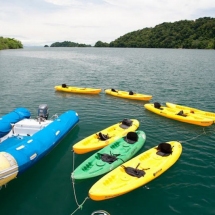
(28, 77)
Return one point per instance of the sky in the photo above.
(43, 22)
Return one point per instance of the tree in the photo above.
(10, 43)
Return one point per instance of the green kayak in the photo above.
(111, 156)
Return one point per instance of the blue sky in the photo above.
(43, 22)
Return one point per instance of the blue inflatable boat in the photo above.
(12, 117)
(24, 141)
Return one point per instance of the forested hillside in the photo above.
(9, 43)
(194, 34)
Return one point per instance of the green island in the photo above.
(67, 44)
(184, 34)
(10, 43)
(194, 34)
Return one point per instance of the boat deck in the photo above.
(24, 129)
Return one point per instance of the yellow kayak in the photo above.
(72, 89)
(106, 136)
(136, 172)
(176, 114)
(128, 95)
(207, 114)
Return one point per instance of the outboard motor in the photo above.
(43, 111)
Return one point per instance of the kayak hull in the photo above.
(126, 95)
(81, 90)
(210, 115)
(172, 113)
(118, 182)
(93, 142)
(119, 151)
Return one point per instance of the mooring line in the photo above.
(73, 161)
(73, 185)
(80, 206)
(195, 136)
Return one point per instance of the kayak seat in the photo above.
(181, 113)
(158, 105)
(108, 158)
(162, 154)
(131, 93)
(113, 90)
(135, 172)
(126, 123)
(102, 136)
(64, 85)
(131, 137)
(164, 149)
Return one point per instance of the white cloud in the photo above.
(64, 2)
(40, 22)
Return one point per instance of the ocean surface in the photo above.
(27, 79)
